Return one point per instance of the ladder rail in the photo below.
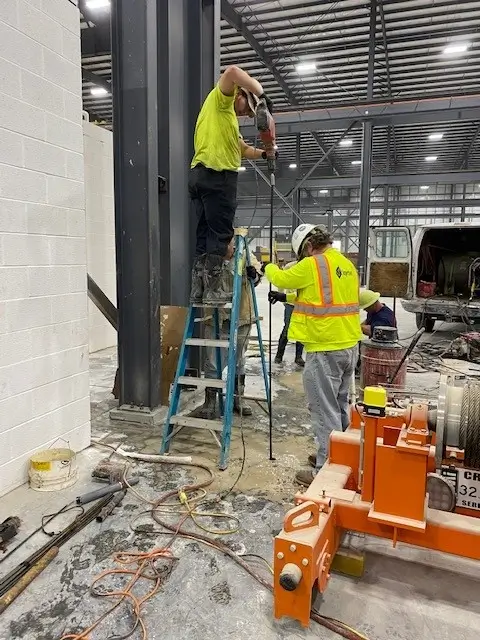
(232, 350)
(266, 380)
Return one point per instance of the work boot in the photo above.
(245, 410)
(305, 477)
(299, 361)
(196, 292)
(208, 410)
(215, 291)
(282, 343)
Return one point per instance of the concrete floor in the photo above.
(405, 594)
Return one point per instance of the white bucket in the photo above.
(53, 469)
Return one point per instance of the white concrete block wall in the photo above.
(44, 382)
(98, 145)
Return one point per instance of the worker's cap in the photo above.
(367, 298)
(252, 100)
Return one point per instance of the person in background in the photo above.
(288, 299)
(210, 409)
(378, 314)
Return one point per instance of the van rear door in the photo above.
(389, 267)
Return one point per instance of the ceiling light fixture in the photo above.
(435, 136)
(458, 47)
(323, 191)
(431, 158)
(424, 187)
(356, 162)
(97, 4)
(98, 91)
(303, 68)
(242, 168)
(346, 142)
(292, 165)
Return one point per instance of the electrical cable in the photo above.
(64, 509)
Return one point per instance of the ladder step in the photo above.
(206, 342)
(202, 382)
(226, 305)
(197, 423)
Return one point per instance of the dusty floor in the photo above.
(405, 594)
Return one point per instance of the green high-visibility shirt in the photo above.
(217, 135)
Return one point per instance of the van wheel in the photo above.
(424, 321)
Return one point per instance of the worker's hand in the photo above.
(276, 296)
(268, 102)
(252, 273)
(264, 266)
(264, 155)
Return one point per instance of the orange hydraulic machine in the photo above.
(408, 474)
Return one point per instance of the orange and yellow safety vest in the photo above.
(326, 313)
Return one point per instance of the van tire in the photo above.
(424, 321)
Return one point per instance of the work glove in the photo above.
(264, 155)
(264, 266)
(252, 273)
(276, 296)
(268, 102)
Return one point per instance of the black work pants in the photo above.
(214, 197)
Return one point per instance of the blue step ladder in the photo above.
(175, 421)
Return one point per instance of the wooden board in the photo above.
(172, 325)
(389, 278)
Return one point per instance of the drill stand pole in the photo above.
(271, 166)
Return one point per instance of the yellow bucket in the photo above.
(53, 469)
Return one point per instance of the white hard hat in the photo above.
(299, 236)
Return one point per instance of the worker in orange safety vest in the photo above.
(326, 320)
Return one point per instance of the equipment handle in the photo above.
(307, 507)
(112, 488)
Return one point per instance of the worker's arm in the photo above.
(234, 76)
(291, 297)
(297, 277)
(251, 153)
(366, 330)
(254, 270)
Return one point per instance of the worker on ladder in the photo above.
(210, 410)
(219, 149)
(326, 320)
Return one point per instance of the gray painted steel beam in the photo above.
(393, 179)
(134, 68)
(377, 205)
(381, 114)
(93, 78)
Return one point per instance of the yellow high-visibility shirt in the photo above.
(217, 135)
(326, 312)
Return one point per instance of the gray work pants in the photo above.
(243, 338)
(326, 379)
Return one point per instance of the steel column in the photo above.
(188, 64)
(297, 202)
(367, 139)
(134, 70)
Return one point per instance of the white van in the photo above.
(436, 273)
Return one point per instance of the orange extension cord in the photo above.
(145, 562)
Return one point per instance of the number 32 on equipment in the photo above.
(468, 493)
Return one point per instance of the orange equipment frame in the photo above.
(375, 483)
